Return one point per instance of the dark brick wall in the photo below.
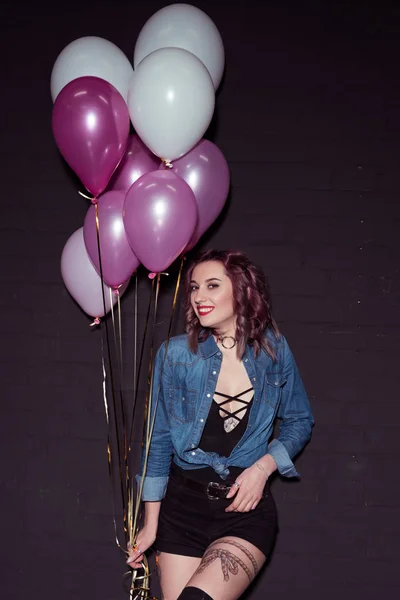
(308, 119)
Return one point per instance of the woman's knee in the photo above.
(193, 593)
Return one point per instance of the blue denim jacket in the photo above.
(185, 383)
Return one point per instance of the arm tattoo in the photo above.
(243, 549)
(229, 563)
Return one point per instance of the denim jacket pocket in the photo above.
(182, 402)
(273, 389)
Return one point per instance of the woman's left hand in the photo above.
(249, 486)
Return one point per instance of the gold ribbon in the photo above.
(134, 511)
(122, 465)
(136, 381)
(143, 591)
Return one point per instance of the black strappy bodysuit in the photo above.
(216, 439)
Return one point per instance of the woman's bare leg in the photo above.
(227, 568)
(174, 571)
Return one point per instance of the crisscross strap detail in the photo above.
(231, 399)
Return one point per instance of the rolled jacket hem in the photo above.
(154, 488)
(283, 461)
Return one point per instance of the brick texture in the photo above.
(308, 120)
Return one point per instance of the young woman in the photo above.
(220, 387)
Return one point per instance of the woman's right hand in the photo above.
(145, 538)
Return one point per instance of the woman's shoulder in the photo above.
(178, 352)
(175, 345)
(277, 342)
(275, 339)
(178, 341)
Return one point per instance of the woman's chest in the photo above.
(192, 390)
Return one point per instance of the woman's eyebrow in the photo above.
(207, 280)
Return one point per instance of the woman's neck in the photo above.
(227, 329)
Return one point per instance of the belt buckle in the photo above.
(220, 490)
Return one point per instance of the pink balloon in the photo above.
(91, 127)
(205, 170)
(118, 261)
(81, 278)
(137, 161)
(159, 215)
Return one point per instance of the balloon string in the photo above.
(178, 282)
(138, 592)
(151, 421)
(174, 302)
(118, 444)
(140, 364)
(117, 331)
(109, 461)
(135, 326)
(147, 408)
(142, 590)
(136, 376)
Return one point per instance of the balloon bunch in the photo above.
(154, 191)
(133, 134)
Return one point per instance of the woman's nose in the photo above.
(199, 296)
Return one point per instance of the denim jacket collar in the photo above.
(209, 347)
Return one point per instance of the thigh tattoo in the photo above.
(229, 562)
(243, 549)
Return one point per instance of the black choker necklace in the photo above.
(222, 339)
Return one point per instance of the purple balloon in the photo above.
(137, 161)
(81, 278)
(90, 124)
(117, 258)
(160, 215)
(205, 170)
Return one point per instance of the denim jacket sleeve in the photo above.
(295, 417)
(161, 448)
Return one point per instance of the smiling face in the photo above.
(212, 297)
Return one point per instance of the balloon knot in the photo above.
(94, 200)
(116, 291)
(96, 321)
(152, 275)
(167, 163)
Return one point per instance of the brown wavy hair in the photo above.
(251, 303)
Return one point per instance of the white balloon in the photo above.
(94, 56)
(171, 101)
(183, 26)
(82, 280)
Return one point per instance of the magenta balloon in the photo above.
(205, 170)
(91, 127)
(160, 215)
(118, 261)
(81, 278)
(137, 161)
